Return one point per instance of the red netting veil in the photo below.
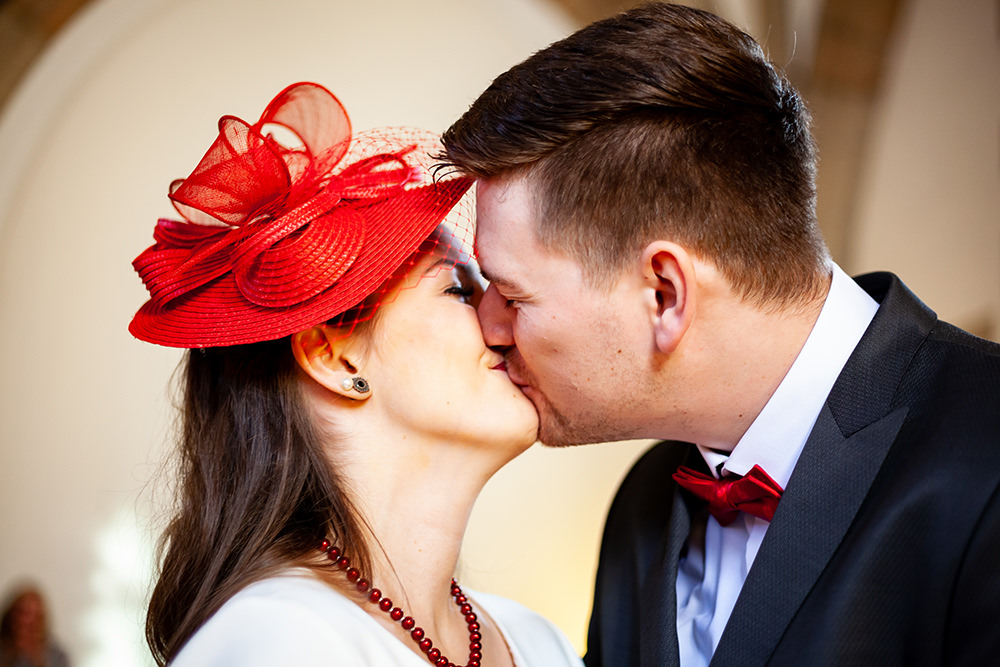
(290, 222)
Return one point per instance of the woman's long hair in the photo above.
(255, 492)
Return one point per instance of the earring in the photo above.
(358, 384)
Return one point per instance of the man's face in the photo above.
(577, 352)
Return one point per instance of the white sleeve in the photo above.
(533, 639)
(258, 632)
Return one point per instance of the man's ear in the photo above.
(668, 270)
(330, 358)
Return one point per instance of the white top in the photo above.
(711, 576)
(295, 619)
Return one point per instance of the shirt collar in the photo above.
(776, 437)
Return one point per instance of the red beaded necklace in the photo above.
(410, 625)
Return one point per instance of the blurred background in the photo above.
(104, 102)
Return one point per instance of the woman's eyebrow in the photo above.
(433, 266)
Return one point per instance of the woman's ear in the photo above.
(331, 359)
(669, 271)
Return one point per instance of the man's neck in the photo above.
(738, 356)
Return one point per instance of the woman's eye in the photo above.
(465, 293)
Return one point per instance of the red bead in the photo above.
(408, 622)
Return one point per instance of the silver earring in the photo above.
(358, 384)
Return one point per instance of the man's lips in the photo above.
(516, 380)
(511, 373)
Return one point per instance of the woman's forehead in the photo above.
(444, 244)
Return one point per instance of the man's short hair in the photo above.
(661, 122)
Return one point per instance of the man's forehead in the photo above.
(493, 269)
(499, 187)
(505, 242)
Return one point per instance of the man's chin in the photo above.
(554, 432)
(556, 429)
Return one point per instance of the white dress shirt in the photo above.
(711, 575)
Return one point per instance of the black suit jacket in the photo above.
(885, 547)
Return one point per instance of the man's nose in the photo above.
(495, 320)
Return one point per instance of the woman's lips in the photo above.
(502, 366)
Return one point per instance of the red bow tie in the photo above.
(755, 493)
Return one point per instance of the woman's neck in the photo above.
(417, 524)
(416, 500)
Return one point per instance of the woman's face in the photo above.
(430, 369)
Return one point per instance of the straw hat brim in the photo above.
(217, 314)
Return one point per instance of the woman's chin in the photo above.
(517, 434)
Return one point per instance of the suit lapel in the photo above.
(823, 496)
(852, 435)
(658, 625)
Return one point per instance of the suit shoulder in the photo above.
(646, 491)
(657, 465)
(958, 377)
(965, 343)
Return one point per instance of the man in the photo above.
(647, 221)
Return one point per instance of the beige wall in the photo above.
(929, 202)
(129, 94)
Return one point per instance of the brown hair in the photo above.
(255, 492)
(663, 121)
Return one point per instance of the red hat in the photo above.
(277, 239)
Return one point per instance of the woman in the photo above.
(340, 410)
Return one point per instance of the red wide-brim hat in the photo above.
(276, 239)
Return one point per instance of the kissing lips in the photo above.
(521, 384)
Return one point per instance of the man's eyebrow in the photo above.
(496, 280)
